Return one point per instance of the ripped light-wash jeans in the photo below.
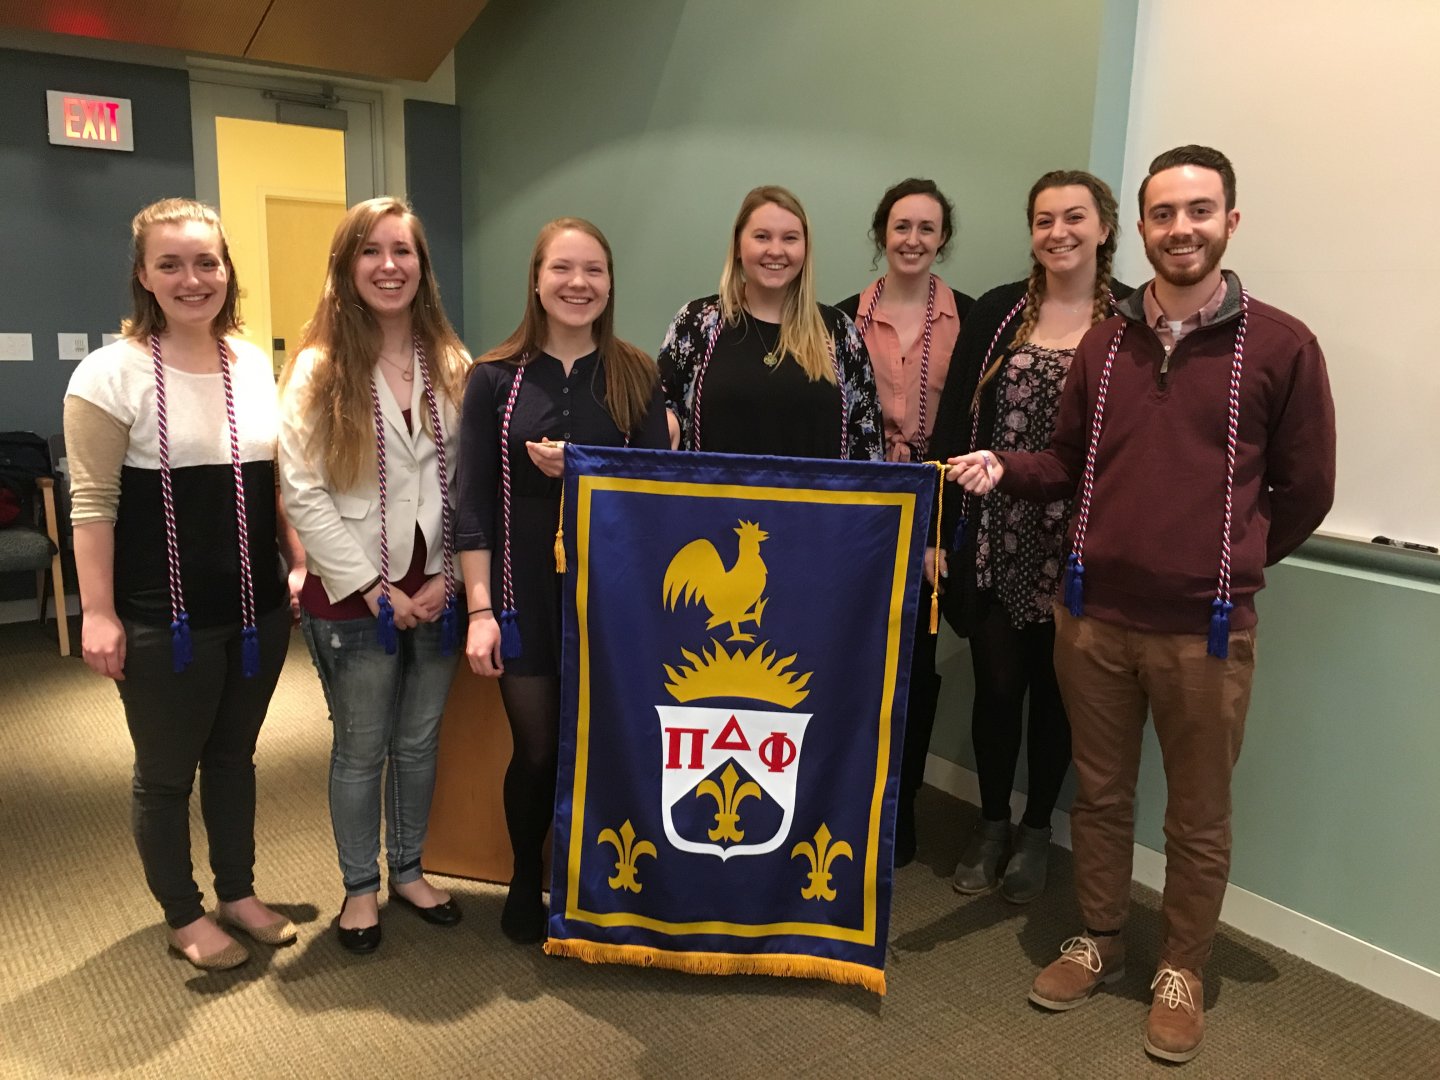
(386, 715)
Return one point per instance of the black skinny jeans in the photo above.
(1009, 663)
(207, 716)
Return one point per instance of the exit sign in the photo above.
(104, 123)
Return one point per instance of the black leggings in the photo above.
(532, 703)
(924, 696)
(1007, 663)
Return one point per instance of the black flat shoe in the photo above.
(360, 939)
(524, 917)
(446, 914)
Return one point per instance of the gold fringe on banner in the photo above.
(706, 963)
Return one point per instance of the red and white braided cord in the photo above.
(380, 480)
(507, 583)
(242, 528)
(700, 380)
(862, 326)
(1231, 435)
(844, 398)
(970, 446)
(167, 490)
(167, 494)
(447, 539)
(1097, 420)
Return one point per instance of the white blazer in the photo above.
(340, 530)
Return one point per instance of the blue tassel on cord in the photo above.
(450, 627)
(182, 651)
(249, 652)
(509, 635)
(385, 627)
(1075, 585)
(1219, 646)
(961, 530)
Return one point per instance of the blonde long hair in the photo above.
(630, 373)
(146, 317)
(802, 331)
(345, 338)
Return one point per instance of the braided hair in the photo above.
(1109, 212)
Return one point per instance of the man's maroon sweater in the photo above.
(1153, 544)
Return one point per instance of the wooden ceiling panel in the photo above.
(224, 27)
(370, 37)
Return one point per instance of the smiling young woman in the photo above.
(368, 437)
(776, 372)
(562, 376)
(170, 433)
(1004, 391)
(910, 322)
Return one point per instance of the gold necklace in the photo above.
(406, 373)
(772, 357)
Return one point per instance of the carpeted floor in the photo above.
(87, 988)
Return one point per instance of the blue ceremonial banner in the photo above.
(737, 637)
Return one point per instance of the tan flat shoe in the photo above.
(280, 932)
(231, 956)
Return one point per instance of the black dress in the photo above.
(749, 407)
(550, 405)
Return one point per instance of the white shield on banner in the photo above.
(694, 742)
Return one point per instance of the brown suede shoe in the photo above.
(1084, 966)
(1177, 1015)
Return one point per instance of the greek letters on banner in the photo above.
(737, 648)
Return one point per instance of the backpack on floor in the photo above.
(24, 456)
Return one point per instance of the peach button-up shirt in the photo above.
(897, 370)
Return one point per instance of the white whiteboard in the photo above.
(1330, 110)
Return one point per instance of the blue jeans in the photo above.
(385, 709)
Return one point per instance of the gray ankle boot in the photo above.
(980, 863)
(1029, 863)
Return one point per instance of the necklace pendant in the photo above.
(770, 359)
(409, 375)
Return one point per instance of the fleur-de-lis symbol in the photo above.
(628, 851)
(822, 853)
(727, 803)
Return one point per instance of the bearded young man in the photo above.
(1197, 435)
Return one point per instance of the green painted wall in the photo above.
(1335, 794)
(654, 117)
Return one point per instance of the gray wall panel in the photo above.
(65, 214)
(432, 170)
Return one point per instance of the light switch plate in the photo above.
(74, 345)
(16, 347)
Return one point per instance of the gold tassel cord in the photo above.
(560, 532)
(707, 963)
(935, 575)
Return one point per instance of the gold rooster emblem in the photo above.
(733, 596)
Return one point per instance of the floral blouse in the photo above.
(689, 335)
(1020, 550)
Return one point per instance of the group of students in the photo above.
(418, 494)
